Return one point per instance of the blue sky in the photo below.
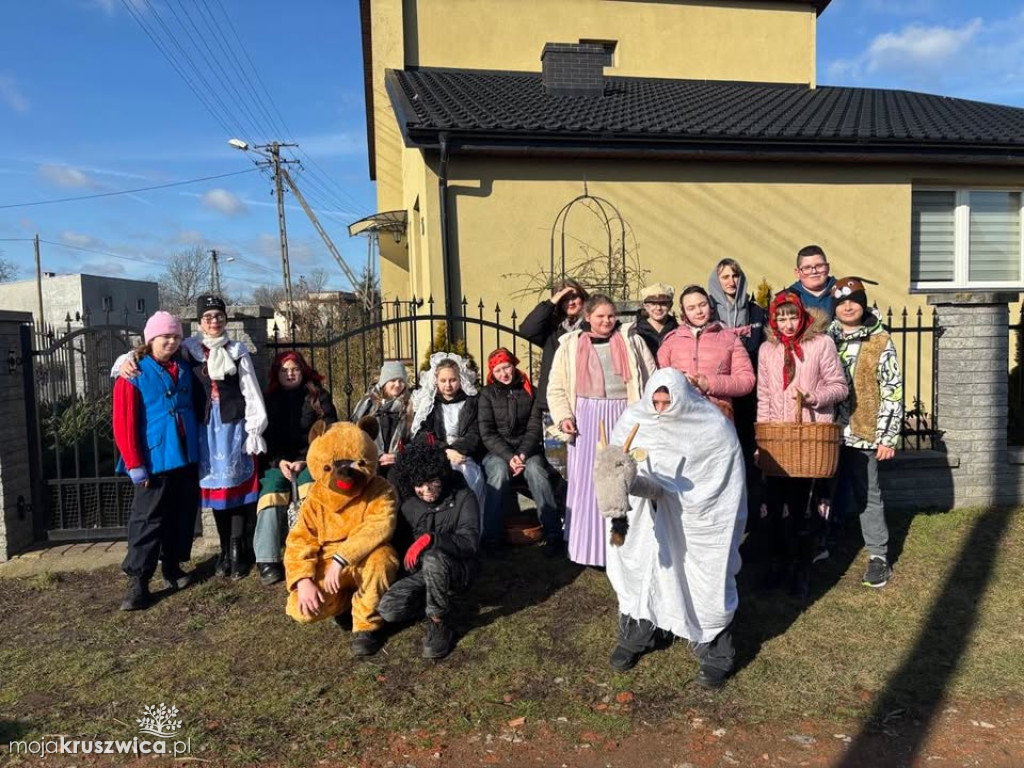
(89, 105)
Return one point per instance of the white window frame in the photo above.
(962, 244)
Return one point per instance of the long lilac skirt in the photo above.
(584, 526)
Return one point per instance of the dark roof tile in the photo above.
(515, 103)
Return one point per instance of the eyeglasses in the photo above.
(658, 303)
(213, 317)
(570, 297)
(812, 269)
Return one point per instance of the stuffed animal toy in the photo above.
(614, 480)
(338, 557)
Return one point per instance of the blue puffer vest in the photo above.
(164, 402)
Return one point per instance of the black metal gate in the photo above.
(350, 346)
(76, 495)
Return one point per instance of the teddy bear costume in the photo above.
(348, 517)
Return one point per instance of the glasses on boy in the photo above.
(812, 269)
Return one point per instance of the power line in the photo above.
(127, 191)
(160, 46)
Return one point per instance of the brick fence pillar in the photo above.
(972, 360)
(15, 475)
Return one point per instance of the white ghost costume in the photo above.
(677, 567)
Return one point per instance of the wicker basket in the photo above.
(798, 449)
(522, 529)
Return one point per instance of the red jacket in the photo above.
(717, 353)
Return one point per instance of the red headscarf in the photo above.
(502, 355)
(791, 344)
(308, 374)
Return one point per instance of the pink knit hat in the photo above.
(161, 324)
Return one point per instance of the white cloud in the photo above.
(68, 177)
(919, 47)
(11, 95)
(225, 202)
(80, 240)
(976, 59)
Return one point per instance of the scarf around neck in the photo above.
(219, 363)
(589, 373)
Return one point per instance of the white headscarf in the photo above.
(423, 397)
(677, 567)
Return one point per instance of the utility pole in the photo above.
(214, 272)
(274, 149)
(39, 286)
(272, 152)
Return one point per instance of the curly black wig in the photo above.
(418, 464)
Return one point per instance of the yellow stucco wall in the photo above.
(685, 217)
(678, 39)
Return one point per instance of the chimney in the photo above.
(573, 69)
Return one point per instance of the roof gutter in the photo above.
(708, 150)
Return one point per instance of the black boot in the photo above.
(174, 577)
(439, 640)
(223, 568)
(138, 597)
(365, 643)
(240, 564)
(271, 573)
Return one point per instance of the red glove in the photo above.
(412, 556)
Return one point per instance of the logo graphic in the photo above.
(159, 721)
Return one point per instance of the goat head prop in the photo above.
(614, 474)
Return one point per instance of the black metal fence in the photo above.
(349, 350)
(77, 493)
(916, 337)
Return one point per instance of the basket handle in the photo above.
(799, 407)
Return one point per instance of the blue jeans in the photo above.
(499, 496)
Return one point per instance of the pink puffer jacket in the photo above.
(820, 373)
(717, 353)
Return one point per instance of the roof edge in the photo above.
(366, 35)
(788, 151)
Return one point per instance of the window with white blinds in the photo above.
(995, 236)
(933, 237)
(962, 238)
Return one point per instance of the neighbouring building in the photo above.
(105, 300)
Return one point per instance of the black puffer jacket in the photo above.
(652, 338)
(543, 328)
(509, 424)
(453, 521)
(289, 418)
(468, 441)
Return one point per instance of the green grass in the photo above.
(252, 685)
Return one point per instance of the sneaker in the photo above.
(174, 577)
(878, 573)
(439, 640)
(365, 643)
(710, 678)
(138, 597)
(271, 573)
(623, 659)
